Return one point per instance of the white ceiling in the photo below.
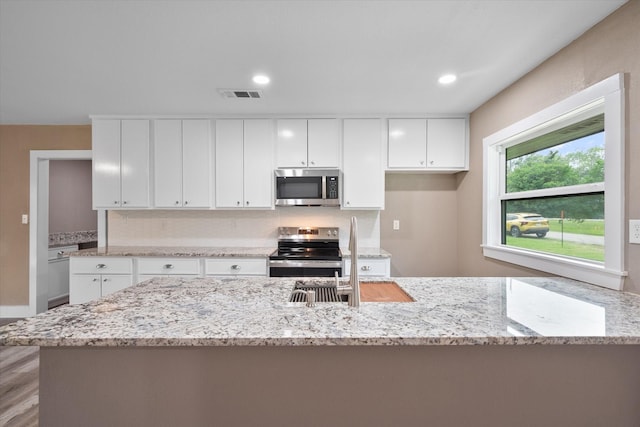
(61, 61)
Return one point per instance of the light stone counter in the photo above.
(255, 312)
(200, 251)
(176, 251)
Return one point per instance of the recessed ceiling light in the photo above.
(447, 79)
(261, 79)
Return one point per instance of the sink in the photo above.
(373, 291)
(383, 292)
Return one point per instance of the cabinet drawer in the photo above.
(236, 267)
(168, 266)
(100, 265)
(369, 267)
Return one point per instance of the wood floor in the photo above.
(19, 386)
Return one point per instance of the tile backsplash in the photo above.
(233, 228)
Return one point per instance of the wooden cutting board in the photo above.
(383, 292)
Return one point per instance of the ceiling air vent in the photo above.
(241, 93)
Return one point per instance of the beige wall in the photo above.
(426, 206)
(15, 143)
(610, 47)
(70, 207)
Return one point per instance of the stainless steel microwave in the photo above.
(307, 187)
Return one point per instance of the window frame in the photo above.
(610, 273)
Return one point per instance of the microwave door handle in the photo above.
(324, 187)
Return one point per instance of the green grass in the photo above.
(592, 227)
(579, 250)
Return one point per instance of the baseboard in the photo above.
(14, 311)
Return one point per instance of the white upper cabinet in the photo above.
(438, 145)
(244, 163)
(407, 143)
(447, 144)
(120, 164)
(182, 163)
(363, 164)
(307, 143)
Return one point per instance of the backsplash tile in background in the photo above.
(233, 228)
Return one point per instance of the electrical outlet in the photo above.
(634, 231)
(396, 224)
(25, 219)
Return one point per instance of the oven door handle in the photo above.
(304, 264)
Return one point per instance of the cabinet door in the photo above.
(113, 283)
(291, 143)
(84, 288)
(323, 142)
(363, 172)
(258, 163)
(407, 143)
(134, 163)
(105, 146)
(196, 160)
(447, 143)
(167, 163)
(229, 164)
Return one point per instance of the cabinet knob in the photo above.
(312, 162)
(60, 253)
(177, 202)
(422, 162)
(235, 267)
(101, 266)
(348, 202)
(186, 203)
(115, 203)
(124, 202)
(302, 163)
(365, 268)
(95, 279)
(105, 280)
(167, 266)
(237, 203)
(431, 162)
(247, 203)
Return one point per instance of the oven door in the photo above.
(307, 268)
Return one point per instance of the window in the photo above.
(554, 188)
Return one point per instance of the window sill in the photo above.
(593, 273)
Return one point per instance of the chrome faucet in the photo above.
(352, 289)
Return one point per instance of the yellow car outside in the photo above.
(518, 224)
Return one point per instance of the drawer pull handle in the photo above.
(365, 268)
(60, 253)
(101, 266)
(235, 267)
(167, 266)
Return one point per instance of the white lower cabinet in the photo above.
(371, 267)
(148, 268)
(236, 267)
(93, 277)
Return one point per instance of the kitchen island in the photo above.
(467, 351)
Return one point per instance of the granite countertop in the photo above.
(200, 251)
(177, 251)
(255, 312)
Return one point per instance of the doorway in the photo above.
(39, 223)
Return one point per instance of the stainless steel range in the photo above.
(306, 252)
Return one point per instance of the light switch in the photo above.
(396, 224)
(25, 219)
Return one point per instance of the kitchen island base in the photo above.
(494, 385)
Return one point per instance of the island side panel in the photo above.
(579, 385)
